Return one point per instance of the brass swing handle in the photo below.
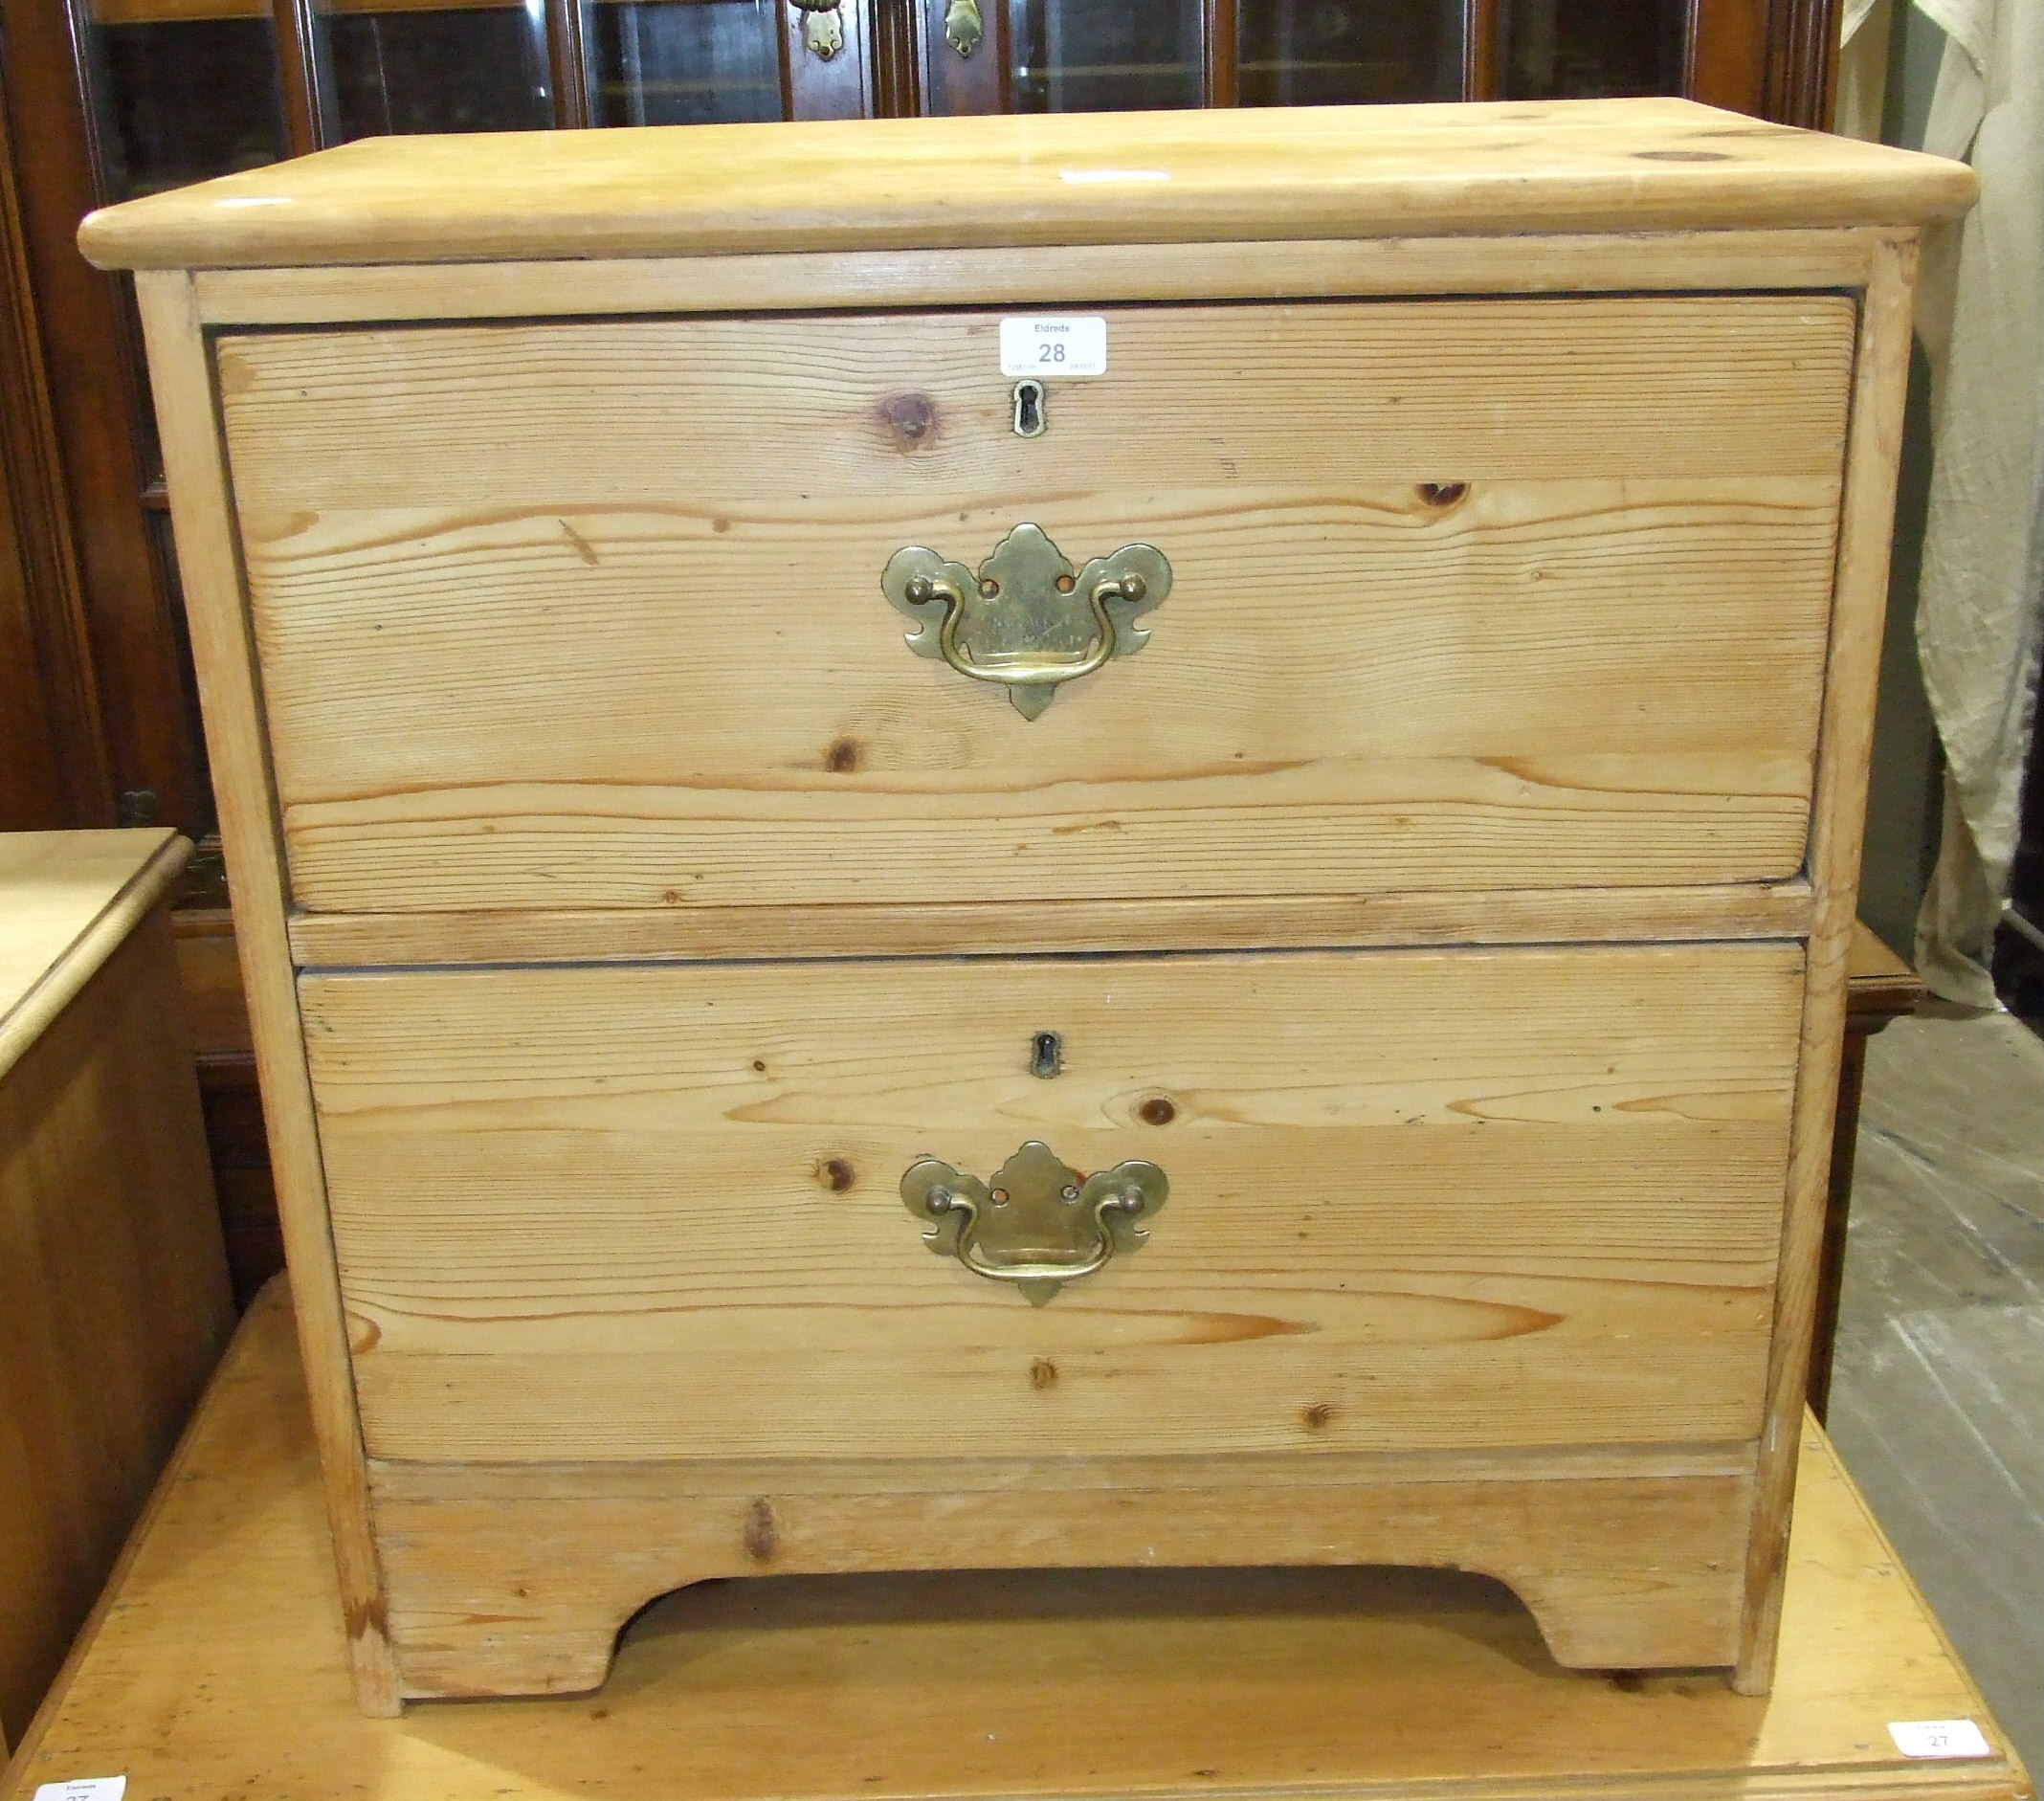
(922, 589)
(1027, 619)
(1038, 1224)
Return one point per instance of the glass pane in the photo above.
(1336, 53)
(681, 62)
(1585, 49)
(1108, 55)
(183, 92)
(435, 65)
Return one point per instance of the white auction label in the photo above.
(1939, 1738)
(1053, 345)
(84, 1789)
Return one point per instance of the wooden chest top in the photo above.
(1511, 167)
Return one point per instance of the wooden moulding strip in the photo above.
(1088, 273)
(1838, 821)
(726, 1477)
(1010, 929)
(202, 513)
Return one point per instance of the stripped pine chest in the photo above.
(997, 842)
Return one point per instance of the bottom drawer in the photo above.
(1416, 1201)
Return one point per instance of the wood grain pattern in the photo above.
(1662, 386)
(1879, 384)
(180, 373)
(498, 677)
(668, 1227)
(991, 928)
(112, 1287)
(1087, 275)
(1363, 172)
(525, 1595)
(217, 1652)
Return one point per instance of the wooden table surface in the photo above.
(114, 1301)
(1878, 984)
(216, 1669)
(67, 899)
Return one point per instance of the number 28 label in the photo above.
(1053, 345)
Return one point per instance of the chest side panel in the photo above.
(1465, 593)
(1417, 1200)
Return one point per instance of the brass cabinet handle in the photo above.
(1038, 1224)
(1026, 619)
(963, 26)
(923, 589)
(823, 27)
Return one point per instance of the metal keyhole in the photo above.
(1046, 1055)
(1029, 421)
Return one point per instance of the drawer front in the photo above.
(1416, 1200)
(1515, 593)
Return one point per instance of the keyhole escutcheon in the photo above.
(1029, 414)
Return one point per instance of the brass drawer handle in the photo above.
(823, 27)
(1038, 1224)
(1027, 619)
(963, 26)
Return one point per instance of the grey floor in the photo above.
(1937, 1393)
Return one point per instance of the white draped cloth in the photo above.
(1981, 598)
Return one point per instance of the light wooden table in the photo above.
(113, 1285)
(215, 1668)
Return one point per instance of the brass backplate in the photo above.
(822, 30)
(1038, 1224)
(963, 26)
(1027, 619)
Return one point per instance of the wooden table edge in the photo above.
(1999, 1777)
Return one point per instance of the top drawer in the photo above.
(1493, 593)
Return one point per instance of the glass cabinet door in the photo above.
(1098, 55)
(1342, 52)
(149, 60)
(1107, 56)
(432, 65)
(188, 88)
(1586, 49)
(681, 62)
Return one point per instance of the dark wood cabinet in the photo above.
(104, 100)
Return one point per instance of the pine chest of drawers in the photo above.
(1000, 843)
